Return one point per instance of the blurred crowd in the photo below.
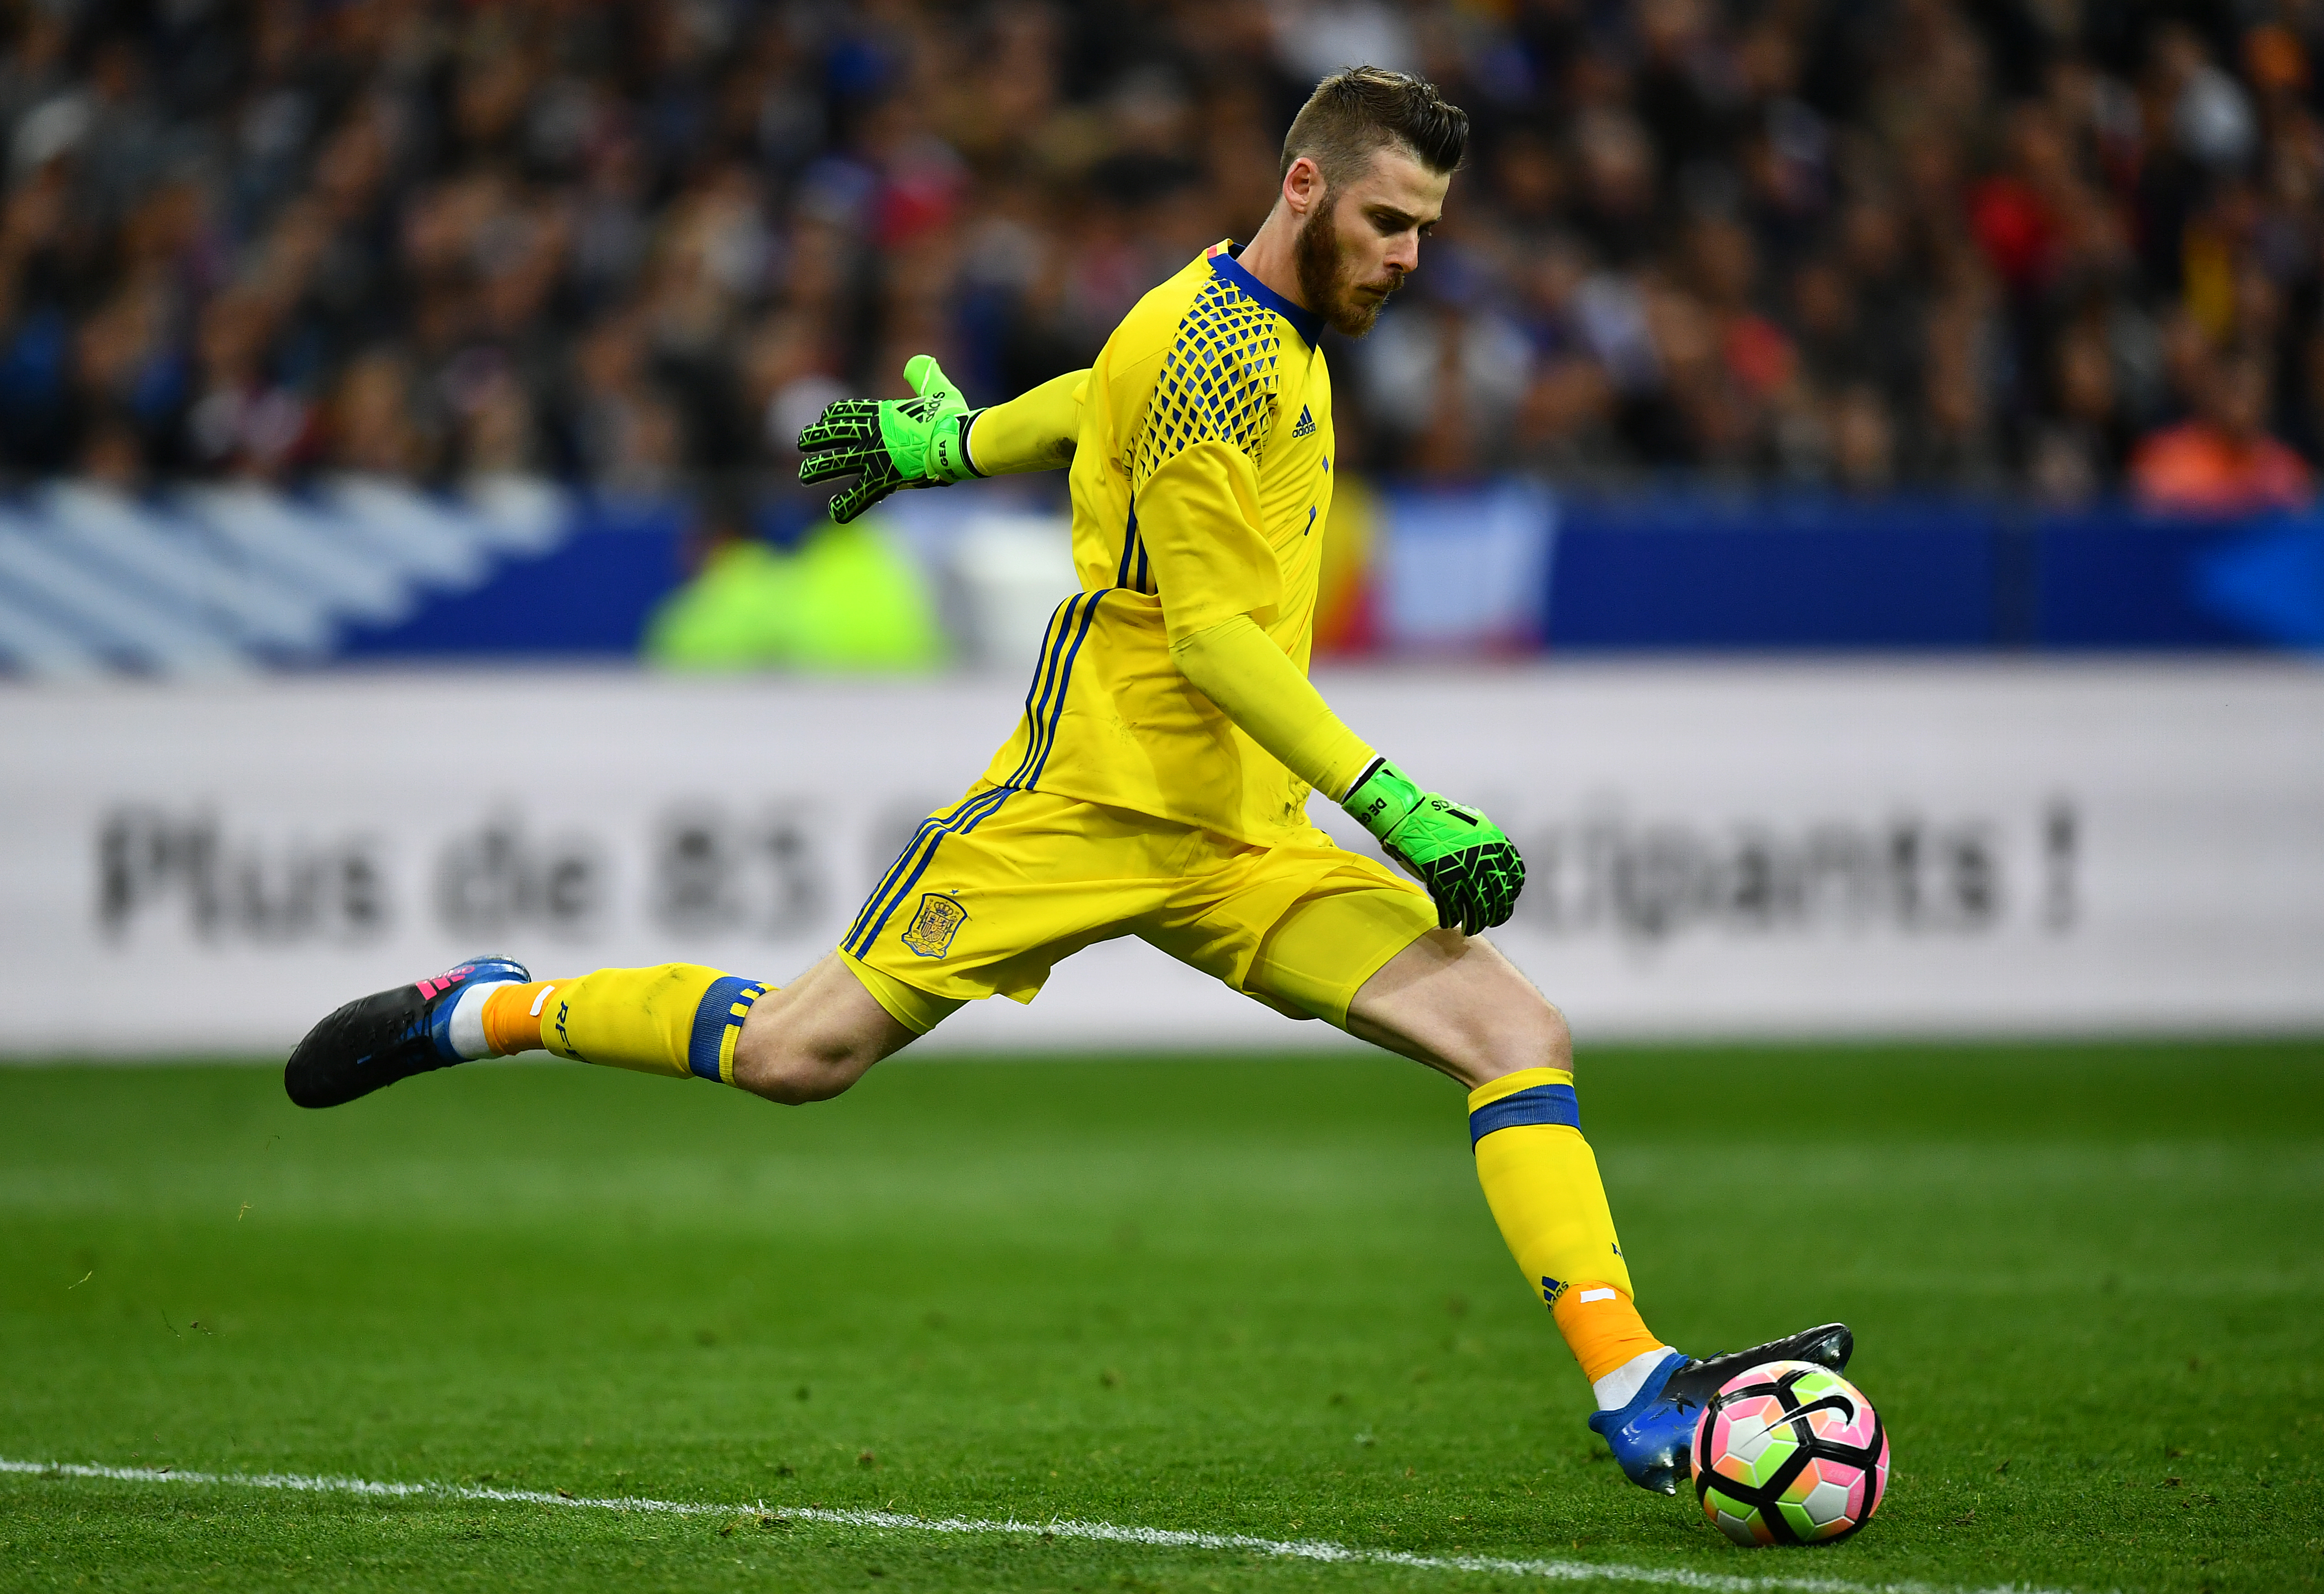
(2061, 248)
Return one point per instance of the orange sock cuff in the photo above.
(513, 1017)
(1601, 1327)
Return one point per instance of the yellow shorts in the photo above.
(999, 887)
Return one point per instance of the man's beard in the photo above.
(1344, 306)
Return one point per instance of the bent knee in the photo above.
(1557, 1040)
(1528, 1035)
(791, 1087)
(794, 1075)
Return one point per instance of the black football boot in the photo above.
(388, 1036)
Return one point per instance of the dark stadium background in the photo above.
(1954, 247)
(1840, 488)
(2030, 271)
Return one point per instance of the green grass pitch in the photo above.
(1258, 1296)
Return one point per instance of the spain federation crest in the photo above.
(932, 928)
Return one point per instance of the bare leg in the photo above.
(1461, 1007)
(1455, 1003)
(816, 1037)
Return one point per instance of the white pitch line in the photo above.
(1161, 1538)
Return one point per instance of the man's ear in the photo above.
(1303, 186)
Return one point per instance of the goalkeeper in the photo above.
(1156, 785)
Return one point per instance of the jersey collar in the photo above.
(1307, 324)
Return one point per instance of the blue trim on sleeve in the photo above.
(1554, 1104)
(1307, 324)
(712, 1019)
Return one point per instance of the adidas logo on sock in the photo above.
(1306, 425)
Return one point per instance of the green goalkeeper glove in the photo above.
(890, 443)
(1472, 871)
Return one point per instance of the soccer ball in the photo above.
(1789, 1453)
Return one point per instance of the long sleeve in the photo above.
(1034, 431)
(1235, 666)
(1197, 522)
(1195, 517)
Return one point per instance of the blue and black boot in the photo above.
(388, 1036)
(1652, 1436)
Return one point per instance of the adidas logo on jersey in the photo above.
(1306, 425)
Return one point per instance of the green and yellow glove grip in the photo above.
(890, 443)
(1472, 871)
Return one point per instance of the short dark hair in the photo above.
(1359, 110)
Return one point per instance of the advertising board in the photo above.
(1763, 849)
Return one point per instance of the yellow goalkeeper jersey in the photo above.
(1202, 483)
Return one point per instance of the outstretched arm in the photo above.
(1034, 431)
(925, 441)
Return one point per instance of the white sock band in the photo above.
(1616, 1388)
(467, 1027)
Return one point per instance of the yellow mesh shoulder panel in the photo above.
(1218, 382)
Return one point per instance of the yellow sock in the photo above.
(1542, 1182)
(673, 1019)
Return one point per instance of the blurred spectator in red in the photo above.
(2222, 461)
